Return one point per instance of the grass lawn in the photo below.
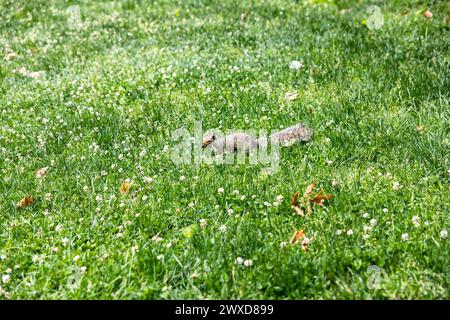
(113, 217)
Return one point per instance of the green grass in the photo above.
(136, 71)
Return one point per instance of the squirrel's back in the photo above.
(291, 135)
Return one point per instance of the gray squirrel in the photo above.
(241, 141)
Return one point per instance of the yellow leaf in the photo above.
(125, 187)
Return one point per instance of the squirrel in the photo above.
(241, 141)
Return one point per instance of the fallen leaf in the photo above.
(321, 197)
(420, 129)
(309, 190)
(25, 202)
(298, 235)
(295, 205)
(10, 56)
(41, 172)
(125, 187)
(299, 211)
(428, 14)
(291, 96)
(189, 231)
(295, 199)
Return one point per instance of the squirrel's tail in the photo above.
(291, 135)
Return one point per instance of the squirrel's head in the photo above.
(208, 139)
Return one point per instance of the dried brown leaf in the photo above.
(295, 199)
(321, 197)
(309, 190)
(25, 202)
(298, 235)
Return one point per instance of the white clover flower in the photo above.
(415, 221)
(76, 258)
(283, 244)
(223, 228)
(373, 222)
(148, 179)
(365, 215)
(85, 188)
(64, 241)
(83, 269)
(230, 211)
(405, 237)
(36, 258)
(3, 257)
(203, 223)
(239, 260)
(120, 157)
(182, 178)
(338, 232)
(120, 235)
(144, 198)
(349, 232)
(58, 228)
(55, 249)
(242, 197)
(6, 278)
(236, 192)
(385, 210)
(191, 205)
(295, 65)
(396, 185)
(443, 234)
(279, 198)
(248, 263)
(367, 228)
(160, 257)
(157, 238)
(220, 190)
